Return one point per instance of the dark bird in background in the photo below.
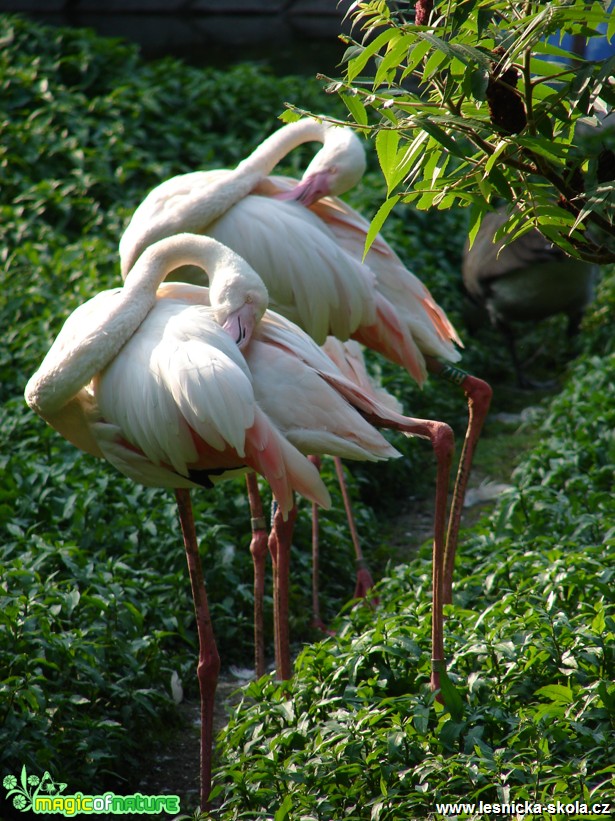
(528, 280)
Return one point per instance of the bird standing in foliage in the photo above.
(526, 280)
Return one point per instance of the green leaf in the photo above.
(479, 80)
(432, 64)
(357, 64)
(451, 697)
(415, 56)
(356, 108)
(387, 141)
(284, 808)
(440, 136)
(499, 149)
(500, 183)
(378, 221)
(392, 59)
(558, 693)
(599, 621)
(438, 43)
(476, 215)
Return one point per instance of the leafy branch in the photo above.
(473, 101)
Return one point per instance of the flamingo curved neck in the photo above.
(216, 199)
(274, 148)
(75, 358)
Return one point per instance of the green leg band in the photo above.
(453, 374)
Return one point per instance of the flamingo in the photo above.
(162, 438)
(308, 246)
(528, 279)
(152, 377)
(432, 335)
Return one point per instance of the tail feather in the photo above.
(283, 466)
(390, 338)
(418, 311)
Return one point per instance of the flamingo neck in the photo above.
(76, 357)
(274, 148)
(215, 200)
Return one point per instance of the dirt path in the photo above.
(174, 769)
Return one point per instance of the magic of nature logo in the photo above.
(44, 795)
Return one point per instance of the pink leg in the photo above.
(442, 440)
(317, 621)
(364, 578)
(478, 394)
(209, 661)
(364, 581)
(258, 549)
(279, 546)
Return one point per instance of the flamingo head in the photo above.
(338, 167)
(239, 299)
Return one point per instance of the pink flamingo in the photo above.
(317, 288)
(151, 377)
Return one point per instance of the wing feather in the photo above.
(178, 375)
(310, 279)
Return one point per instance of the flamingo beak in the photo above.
(309, 190)
(240, 324)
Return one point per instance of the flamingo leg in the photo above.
(209, 660)
(317, 621)
(443, 443)
(365, 581)
(478, 394)
(280, 540)
(258, 549)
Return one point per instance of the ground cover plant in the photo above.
(95, 610)
(357, 734)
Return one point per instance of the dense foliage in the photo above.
(95, 610)
(477, 100)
